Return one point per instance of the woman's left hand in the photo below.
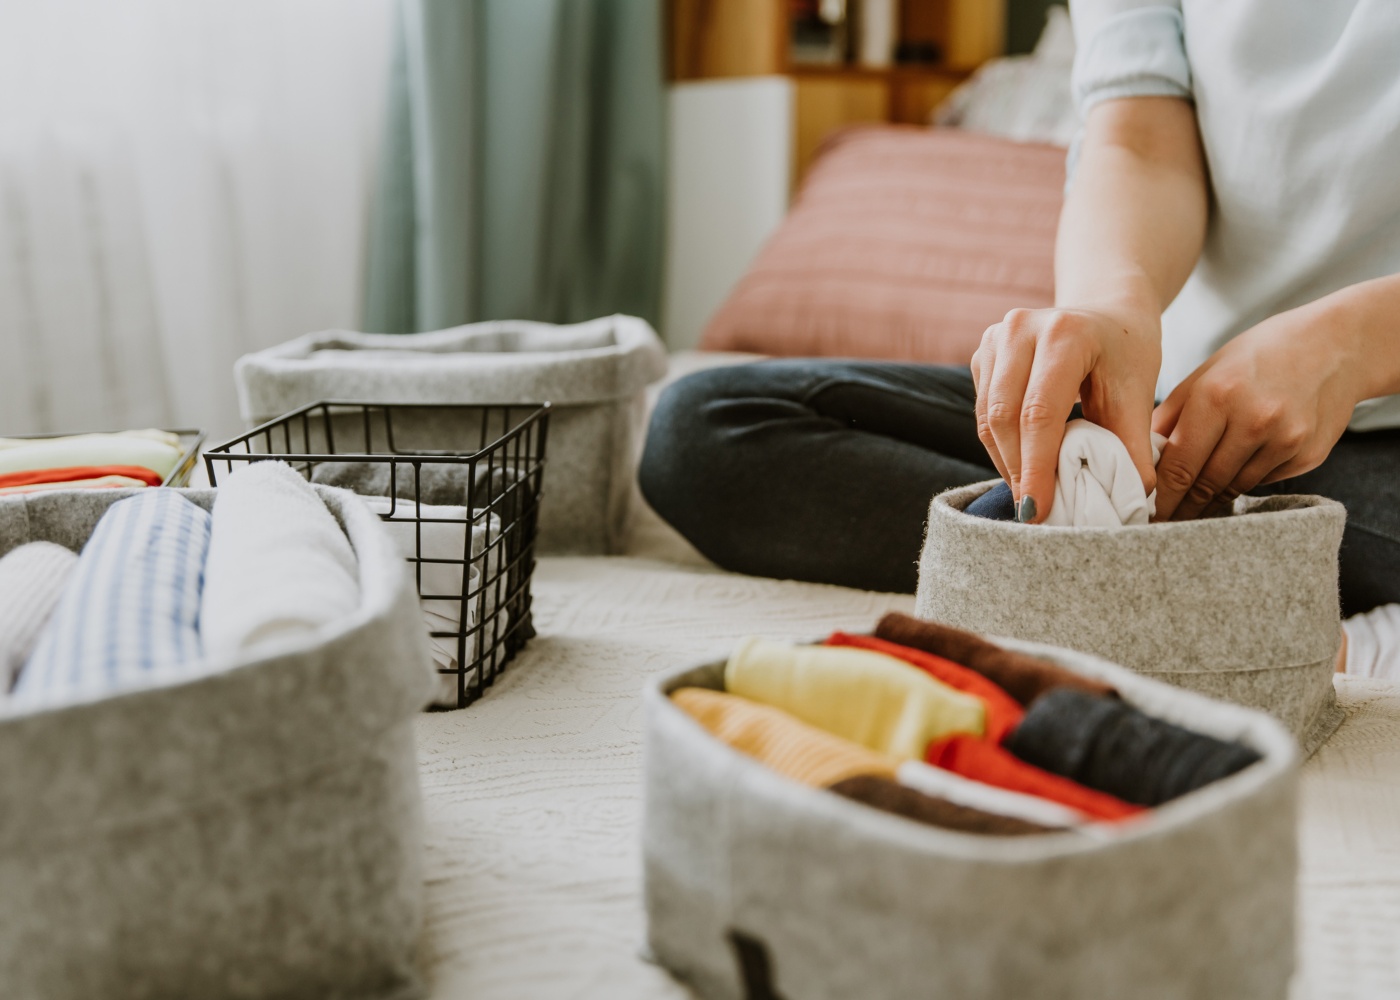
(1268, 405)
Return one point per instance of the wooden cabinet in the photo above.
(711, 39)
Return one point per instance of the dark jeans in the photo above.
(823, 470)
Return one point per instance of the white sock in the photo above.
(1373, 643)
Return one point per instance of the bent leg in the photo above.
(1363, 474)
(812, 470)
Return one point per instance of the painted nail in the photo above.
(1025, 513)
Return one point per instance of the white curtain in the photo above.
(181, 181)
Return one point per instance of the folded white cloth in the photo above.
(962, 791)
(1373, 643)
(130, 612)
(32, 579)
(442, 531)
(1097, 485)
(280, 566)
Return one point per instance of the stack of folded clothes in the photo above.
(165, 590)
(943, 727)
(88, 461)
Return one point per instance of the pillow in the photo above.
(905, 243)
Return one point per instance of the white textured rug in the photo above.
(533, 794)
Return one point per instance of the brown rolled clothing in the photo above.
(892, 797)
(1023, 677)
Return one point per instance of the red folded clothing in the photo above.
(73, 473)
(1004, 713)
(990, 764)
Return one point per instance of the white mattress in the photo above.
(533, 794)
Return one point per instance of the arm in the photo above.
(1271, 403)
(1130, 233)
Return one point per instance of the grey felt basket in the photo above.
(1243, 607)
(750, 876)
(595, 374)
(254, 832)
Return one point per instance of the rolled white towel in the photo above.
(279, 568)
(962, 791)
(1373, 643)
(32, 579)
(1096, 483)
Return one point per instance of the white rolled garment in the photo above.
(1373, 643)
(32, 579)
(443, 535)
(279, 567)
(1096, 483)
(962, 791)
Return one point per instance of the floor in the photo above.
(533, 796)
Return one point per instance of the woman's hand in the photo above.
(1032, 366)
(1268, 405)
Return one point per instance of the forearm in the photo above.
(1135, 218)
(1365, 319)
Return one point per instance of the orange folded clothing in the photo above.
(1004, 713)
(988, 763)
(76, 473)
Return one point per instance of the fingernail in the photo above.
(1025, 513)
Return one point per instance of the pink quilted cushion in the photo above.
(904, 243)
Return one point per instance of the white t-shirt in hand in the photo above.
(1299, 109)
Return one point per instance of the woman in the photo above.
(1229, 244)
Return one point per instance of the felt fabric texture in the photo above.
(593, 373)
(869, 698)
(157, 451)
(1196, 898)
(280, 568)
(892, 797)
(129, 616)
(1096, 483)
(997, 504)
(1025, 678)
(445, 484)
(788, 746)
(943, 784)
(978, 760)
(78, 473)
(1003, 713)
(1242, 607)
(260, 827)
(1112, 747)
(32, 579)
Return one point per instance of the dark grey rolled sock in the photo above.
(1112, 747)
(997, 504)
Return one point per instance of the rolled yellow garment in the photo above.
(868, 698)
(154, 450)
(773, 738)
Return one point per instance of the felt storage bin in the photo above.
(254, 831)
(757, 886)
(595, 375)
(1242, 607)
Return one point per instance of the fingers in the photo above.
(982, 363)
(1193, 440)
(1264, 461)
(1051, 388)
(1005, 392)
(1223, 476)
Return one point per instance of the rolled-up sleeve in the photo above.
(1128, 48)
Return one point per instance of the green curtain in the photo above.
(523, 172)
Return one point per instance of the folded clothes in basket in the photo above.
(887, 723)
(130, 613)
(158, 452)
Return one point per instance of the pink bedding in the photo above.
(904, 243)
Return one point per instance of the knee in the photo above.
(681, 442)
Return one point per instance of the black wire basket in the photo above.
(473, 558)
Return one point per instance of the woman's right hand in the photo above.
(1032, 367)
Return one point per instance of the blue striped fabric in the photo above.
(130, 614)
